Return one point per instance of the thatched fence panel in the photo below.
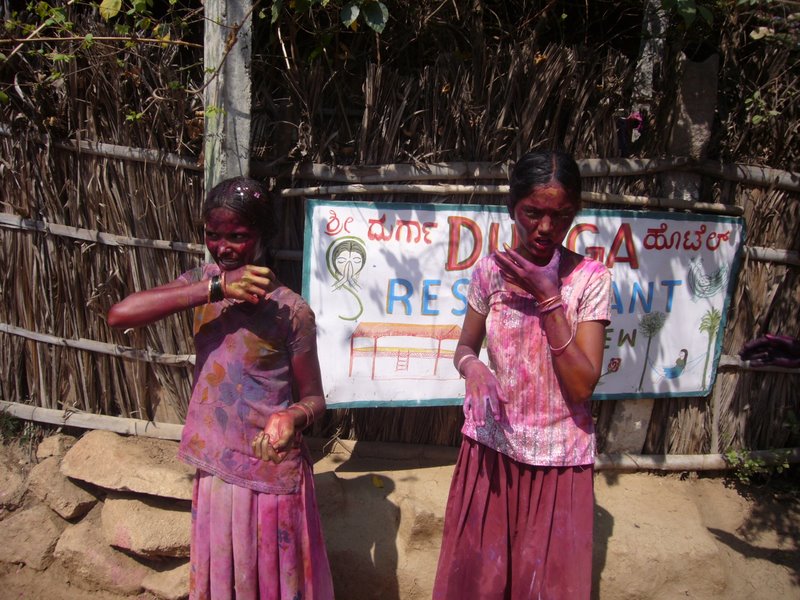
(443, 84)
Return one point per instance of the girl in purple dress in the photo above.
(519, 516)
(256, 530)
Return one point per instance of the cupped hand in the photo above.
(277, 438)
(483, 393)
(249, 283)
(541, 282)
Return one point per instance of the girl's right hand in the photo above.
(482, 391)
(249, 283)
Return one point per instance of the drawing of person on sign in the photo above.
(345, 260)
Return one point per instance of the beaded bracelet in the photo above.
(215, 292)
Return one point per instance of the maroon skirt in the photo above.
(515, 531)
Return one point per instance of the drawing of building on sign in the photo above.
(403, 351)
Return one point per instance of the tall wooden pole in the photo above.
(227, 59)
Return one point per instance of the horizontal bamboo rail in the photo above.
(181, 360)
(502, 190)
(10, 221)
(590, 167)
(83, 420)
(624, 463)
(177, 360)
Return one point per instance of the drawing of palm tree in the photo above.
(709, 324)
(650, 324)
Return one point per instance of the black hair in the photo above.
(538, 168)
(252, 201)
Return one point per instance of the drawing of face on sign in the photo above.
(345, 259)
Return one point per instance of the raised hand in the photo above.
(249, 283)
(540, 281)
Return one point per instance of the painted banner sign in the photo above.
(388, 283)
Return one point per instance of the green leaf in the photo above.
(376, 15)
(688, 10)
(276, 11)
(349, 13)
(110, 8)
(4, 99)
(57, 57)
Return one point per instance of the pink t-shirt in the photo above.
(543, 428)
(242, 375)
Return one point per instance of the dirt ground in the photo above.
(657, 537)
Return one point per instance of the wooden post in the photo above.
(628, 430)
(227, 59)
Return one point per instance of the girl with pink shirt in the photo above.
(256, 531)
(519, 515)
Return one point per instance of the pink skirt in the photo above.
(253, 546)
(514, 531)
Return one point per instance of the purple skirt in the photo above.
(514, 531)
(254, 546)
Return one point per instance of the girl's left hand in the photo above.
(540, 282)
(277, 438)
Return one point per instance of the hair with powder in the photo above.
(253, 202)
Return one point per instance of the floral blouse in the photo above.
(242, 375)
(542, 427)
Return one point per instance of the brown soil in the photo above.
(382, 518)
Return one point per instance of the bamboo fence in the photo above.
(96, 204)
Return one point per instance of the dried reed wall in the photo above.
(423, 93)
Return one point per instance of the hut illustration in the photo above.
(403, 350)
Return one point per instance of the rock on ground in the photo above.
(147, 526)
(55, 445)
(129, 464)
(170, 582)
(29, 537)
(56, 490)
(81, 550)
(12, 482)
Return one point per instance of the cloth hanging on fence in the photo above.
(772, 350)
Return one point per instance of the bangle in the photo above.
(551, 308)
(545, 305)
(461, 362)
(560, 349)
(224, 286)
(307, 413)
(215, 293)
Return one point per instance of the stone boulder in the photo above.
(81, 550)
(30, 536)
(54, 489)
(12, 482)
(170, 582)
(147, 526)
(55, 445)
(129, 464)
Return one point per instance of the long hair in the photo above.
(536, 169)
